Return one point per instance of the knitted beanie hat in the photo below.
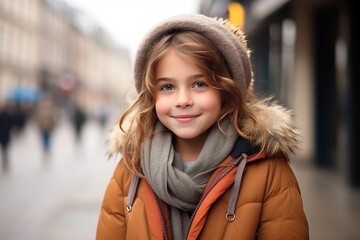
(228, 39)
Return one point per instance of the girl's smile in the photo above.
(185, 118)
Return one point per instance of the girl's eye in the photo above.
(200, 85)
(166, 87)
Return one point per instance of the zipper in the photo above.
(216, 181)
(162, 214)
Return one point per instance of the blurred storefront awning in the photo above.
(24, 94)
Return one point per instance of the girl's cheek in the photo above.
(161, 107)
(211, 103)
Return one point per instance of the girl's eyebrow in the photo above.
(196, 76)
(163, 79)
(192, 77)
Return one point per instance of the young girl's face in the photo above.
(184, 101)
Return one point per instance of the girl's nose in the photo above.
(184, 99)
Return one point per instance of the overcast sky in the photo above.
(128, 20)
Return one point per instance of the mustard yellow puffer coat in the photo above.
(269, 206)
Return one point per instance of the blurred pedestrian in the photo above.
(6, 126)
(20, 117)
(45, 116)
(202, 156)
(102, 113)
(79, 118)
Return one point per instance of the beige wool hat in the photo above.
(228, 39)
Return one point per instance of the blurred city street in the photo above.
(59, 198)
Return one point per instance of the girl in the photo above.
(202, 157)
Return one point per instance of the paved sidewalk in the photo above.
(331, 205)
(56, 198)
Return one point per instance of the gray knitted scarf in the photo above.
(163, 168)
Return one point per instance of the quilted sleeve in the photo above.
(282, 214)
(112, 224)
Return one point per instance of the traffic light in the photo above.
(236, 14)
